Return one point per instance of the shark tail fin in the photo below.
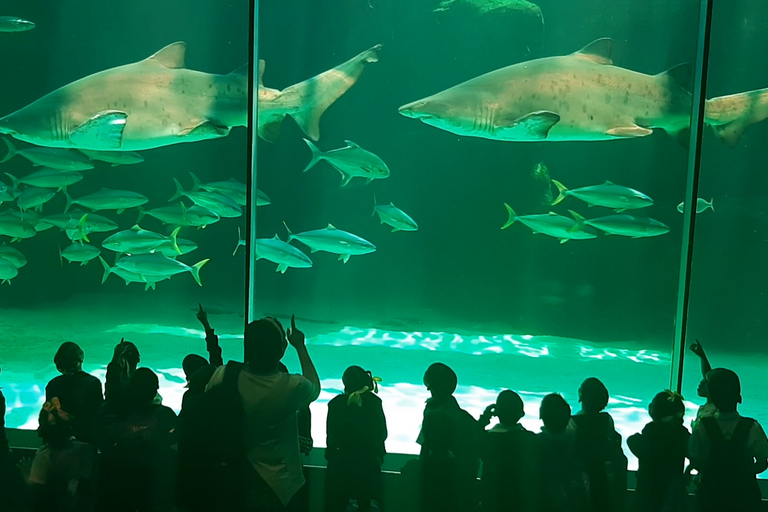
(174, 241)
(730, 116)
(240, 241)
(317, 155)
(195, 269)
(512, 216)
(107, 269)
(11, 151)
(69, 201)
(14, 180)
(196, 183)
(561, 192)
(179, 191)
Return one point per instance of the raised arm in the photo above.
(211, 339)
(298, 340)
(698, 349)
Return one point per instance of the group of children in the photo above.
(575, 463)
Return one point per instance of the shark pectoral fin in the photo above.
(344, 257)
(536, 124)
(282, 268)
(205, 130)
(629, 131)
(102, 131)
(270, 129)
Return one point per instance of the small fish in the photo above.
(39, 223)
(550, 224)
(140, 241)
(394, 216)
(155, 264)
(222, 205)
(8, 194)
(93, 223)
(351, 161)
(55, 158)
(701, 205)
(149, 281)
(230, 188)
(275, 250)
(7, 271)
(14, 24)
(48, 178)
(179, 215)
(12, 255)
(79, 253)
(623, 225)
(33, 198)
(15, 228)
(334, 241)
(608, 195)
(108, 199)
(114, 157)
(262, 199)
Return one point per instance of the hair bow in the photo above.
(53, 408)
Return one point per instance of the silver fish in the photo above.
(14, 24)
(54, 158)
(108, 199)
(114, 157)
(550, 224)
(351, 161)
(334, 241)
(608, 195)
(79, 253)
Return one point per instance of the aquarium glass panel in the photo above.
(161, 119)
(453, 186)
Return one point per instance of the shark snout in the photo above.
(414, 110)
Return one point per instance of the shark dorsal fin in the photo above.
(598, 51)
(262, 65)
(242, 70)
(172, 56)
(331, 227)
(351, 144)
(679, 75)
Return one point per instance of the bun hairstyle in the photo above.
(357, 382)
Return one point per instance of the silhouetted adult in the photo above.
(728, 450)
(135, 436)
(355, 433)
(10, 479)
(125, 360)
(271, 400)
(79, 393)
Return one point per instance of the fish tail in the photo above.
(196, 270)
(69, 201)
(375, 205)
(240, 241)
(290, 233)
(579, 221)
(561, 192)
(81, 229)
(142, 214)
(11, 151)
(14, 180)
(61, 258)
(179, 191)
(107, 269)
(317, 155)
(512, 216)
(174, 241)
(196, 183)
(712, 204)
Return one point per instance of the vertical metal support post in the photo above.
(691, 193)
(253, 136)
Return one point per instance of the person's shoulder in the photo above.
(337, 400)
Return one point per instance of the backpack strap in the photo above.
(741, 432)
(711, 427)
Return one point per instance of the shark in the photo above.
(157, 102)
(582, 97)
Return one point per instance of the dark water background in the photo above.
(459, 270)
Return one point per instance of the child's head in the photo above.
(724, 389)
(191, 364)
(593, 395)
(55, 424)
(131, 354)
(667, 406)
(355, 378)
(265, 343)
(440, 380)
(509, 407)
(143, 386)
(69, 358)
(555, 413)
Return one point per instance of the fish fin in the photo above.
(351, 144)
(563, 240)
(196, 183)
(107, 270)
(331, 227)
(270, 129)
(368, 181)
(11, 151)
(147, 286)
(712, 204)
(282, 268)
(172, 56)
(375, 205)
(14, 180)
(313, 250)
(179, 191)
(729, 133)
(69, 201)
(84, 263)
(121, 210)
(195, 269)
(619, 210)
(114, 165)
(174, 241)
(345, 179)
(309, 121)
(598, 51)
(276, 237)
(680, 75)
(262, 67)
(135, 227)
(561, 191)
(240, 242)
(317, 155)
(579, 222)
(205, 130)
(629, 131)
(608, 182)
(103, 131)
(142, 214)
(536, 124)
(61, 258)
(512, 216)
(682, 137)
(344, 257)
(242, 71)
(395, 230)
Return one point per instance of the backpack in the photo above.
(729, 465)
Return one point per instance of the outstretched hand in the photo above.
(295, 336)
(697, 349)
(202, 315)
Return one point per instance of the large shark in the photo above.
(581, 97)
(157, 102)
